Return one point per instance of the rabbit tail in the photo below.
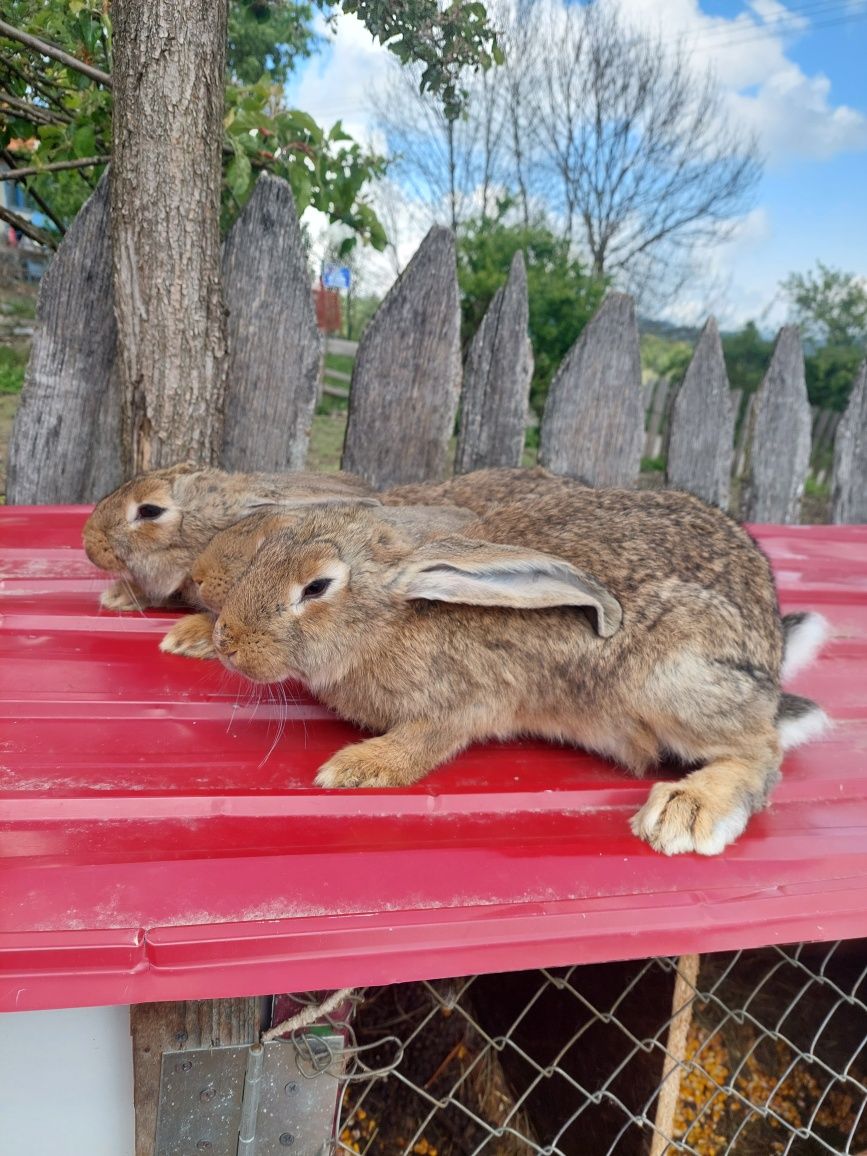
(803, 636)
(799, 720)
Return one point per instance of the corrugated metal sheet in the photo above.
(161, 840)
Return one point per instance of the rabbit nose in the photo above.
(226, 645)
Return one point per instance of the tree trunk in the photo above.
(169, 71)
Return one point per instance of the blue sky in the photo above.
(796, 74)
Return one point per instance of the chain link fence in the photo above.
(752, 1053)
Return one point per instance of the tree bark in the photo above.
(169, 71)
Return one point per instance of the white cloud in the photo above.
(338, 85)
(793, 114)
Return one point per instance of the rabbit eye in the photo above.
(148, 511)
(315, 589)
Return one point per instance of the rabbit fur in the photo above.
(185, 506)
(641, 625)
(227, 555)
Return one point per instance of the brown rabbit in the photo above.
(227, 555)
(641, 625)
(481, 490)
(149, 530)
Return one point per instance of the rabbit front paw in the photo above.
(192, 637)
(352, 768)
(379, 762)
(122, 595)
(684, 816)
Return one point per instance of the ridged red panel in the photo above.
(162, 839)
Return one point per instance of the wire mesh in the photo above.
(571, 1061)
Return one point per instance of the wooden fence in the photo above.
(408, 385)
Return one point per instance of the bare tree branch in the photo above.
(45, 49)
(34, 112)
(57, 167)
(43, 205)
(24, 226)
(645, 152)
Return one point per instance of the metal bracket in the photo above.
(276, 1099)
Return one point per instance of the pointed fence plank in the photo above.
(778, 437)
(849, 491)
(701, 424)
(274, 345)
(65, 443)
(497, 380)
(593, 426)
(407, 374)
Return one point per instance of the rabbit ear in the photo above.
(486, 574)
(303, 503)
(179, 469)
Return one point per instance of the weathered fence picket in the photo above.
(273, 342)
(407, 375)
(593, 421)
(701, 424)
(65, 444)
(778, 437)
(406, 383)
(849, 488)
(497, 375)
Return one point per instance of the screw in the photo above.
(186, 1066)
(203, 1145)
(286, 1139)
(290, 1088)
(207, 1093)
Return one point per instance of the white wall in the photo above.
(66, 1083)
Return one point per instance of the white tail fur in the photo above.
(802, 643)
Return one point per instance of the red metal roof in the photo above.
(153, 848)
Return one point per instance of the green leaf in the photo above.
(84, 141)
(239, 174)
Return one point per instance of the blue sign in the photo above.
(336, 277)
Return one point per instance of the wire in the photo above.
(762, 32)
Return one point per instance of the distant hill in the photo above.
(669, 331)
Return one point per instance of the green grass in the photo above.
(814, 489)
(335, 405)
(326, 441)
(652, 465)
(13, 361)
(339, 361)
(24, 307)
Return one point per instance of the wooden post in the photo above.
(594, 420)
(701, 424)
(497, 380)
(65, 443)
(849, 500)
(274, 345)
(685, 980)
(176, 1027)
(778, 437)
(655, 419)
(407, 374)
